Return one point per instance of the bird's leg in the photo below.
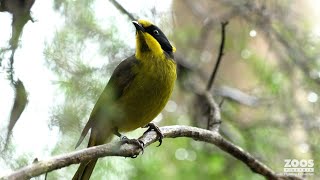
(152, 126)
(125, 140)
(116, 132)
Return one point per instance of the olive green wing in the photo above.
(121, 78)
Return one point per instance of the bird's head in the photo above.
(149, 38)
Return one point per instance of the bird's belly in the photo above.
(146, 103)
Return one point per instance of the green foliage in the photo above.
(268, 75)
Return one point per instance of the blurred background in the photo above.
(267, 84)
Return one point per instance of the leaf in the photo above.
(20, 102)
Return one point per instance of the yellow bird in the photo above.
(136, 93)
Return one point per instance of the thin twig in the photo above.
(216, 67)
(122, 9)
(214, 117)
(128, 150)
(221, 102)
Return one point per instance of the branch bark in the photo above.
(128, 150)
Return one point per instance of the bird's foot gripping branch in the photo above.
(152, 126)
(137, 142)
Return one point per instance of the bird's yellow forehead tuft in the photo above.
(144, 23)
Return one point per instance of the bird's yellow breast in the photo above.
(149, 92)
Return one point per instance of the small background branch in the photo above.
(219, 58)
(122, 9)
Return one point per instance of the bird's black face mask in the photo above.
(160, 37)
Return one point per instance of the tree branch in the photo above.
(123, 10)
(238, 96)
(128, 150)
(214, 118)
(219, 58)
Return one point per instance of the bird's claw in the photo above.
(137, 142)
(152, 126)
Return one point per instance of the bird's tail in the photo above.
(86, 168)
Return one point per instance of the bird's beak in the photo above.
(138, 26)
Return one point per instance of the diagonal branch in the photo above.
(125, 150)
(122, 9)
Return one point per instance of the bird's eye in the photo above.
(156, 32)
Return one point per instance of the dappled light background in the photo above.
(268, 81)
